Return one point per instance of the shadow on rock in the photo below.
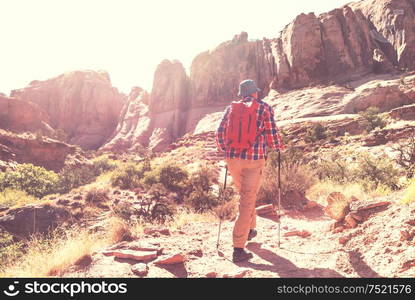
(360, 266)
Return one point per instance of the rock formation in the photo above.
(317, 66)
(134, 128)
(82, 103)
(168, 105)
(392, 23)
(39, 151)
(20, 116)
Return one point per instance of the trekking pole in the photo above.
(220, 217)
(279, 198)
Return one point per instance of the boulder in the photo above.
(337, 206)
(27, 220)
(140, 269)
(406, 112)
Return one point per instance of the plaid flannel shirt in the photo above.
(268, 135)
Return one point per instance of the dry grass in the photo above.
(320, 191)
(228, 210)
(51, 256)
(118, 231)
(409, 195)
(185, 217)
(15, 198)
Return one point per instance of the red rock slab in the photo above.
(300, 233)
(170, 259)
(132, 254)
(264, 209)
(237, 274)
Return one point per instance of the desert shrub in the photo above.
(202, 200)
(96, 195)
(315, 133)
(370, 171)
(102, 165)
(157, 206)
(160, 204)
(10, 197)
(336, 169)
(296, 175)
(71, 177)
(406, 156)
(375, 171)
(200, 193)
(172, 177)
(34, 180)
(372, 119)
(129, 175)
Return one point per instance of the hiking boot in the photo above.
(252, 234)
(239, 254)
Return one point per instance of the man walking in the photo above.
(246, 131)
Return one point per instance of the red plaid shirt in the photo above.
(268, 134)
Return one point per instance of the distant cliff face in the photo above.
(82, 103)
(394, 20)
(215, 75)
(20, 116)
(134, 129)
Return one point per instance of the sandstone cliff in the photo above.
(40, 151)
(20, 116)
(134, 128)
(82, 103)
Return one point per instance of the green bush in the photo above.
(156, 207)
(199, 191)
(366, 169)
(172, 177)
(71, 177)
(129, 175)
(405, 157)
(315, 133)
(336, 169)
(375, 171)
(34, 180)
(372, 119)
(102, 165)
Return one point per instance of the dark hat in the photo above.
(247, 88)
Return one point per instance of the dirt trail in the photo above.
(318, 255)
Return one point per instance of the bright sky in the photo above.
(128, 38)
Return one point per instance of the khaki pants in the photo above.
(247, 177)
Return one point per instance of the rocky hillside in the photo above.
(310, 247)
(317, 66)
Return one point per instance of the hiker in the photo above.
(246, 130)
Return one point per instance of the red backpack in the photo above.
(242, 128)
